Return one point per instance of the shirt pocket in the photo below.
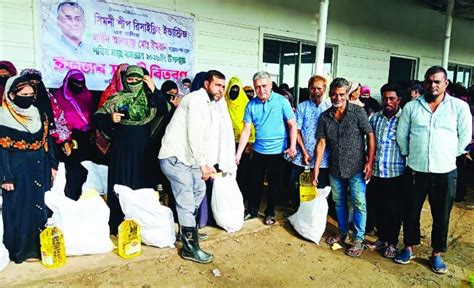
(446, 121)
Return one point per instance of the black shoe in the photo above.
(249, 216)
(191, 250)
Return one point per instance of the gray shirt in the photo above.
(345, 140)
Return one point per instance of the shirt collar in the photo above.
(70, 45)
(269, 98)
(397, 115)
(447, 97)
(204, 94)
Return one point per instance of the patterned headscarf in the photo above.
(116, 84)
(15, 117)
(134, 98)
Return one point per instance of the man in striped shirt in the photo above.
(384, 203)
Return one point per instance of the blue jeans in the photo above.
(356, 187)
(188, 188)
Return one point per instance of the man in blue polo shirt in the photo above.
(269, 112)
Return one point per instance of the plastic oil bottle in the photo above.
(307, 190)
(53, 251)
(129, 239)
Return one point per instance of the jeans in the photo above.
(273, 166)
(356, 187)
(188, 188)
(441, 190)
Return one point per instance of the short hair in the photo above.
(69, 3)
(416, 85)
(315, 78)
(391, 87)
(339, 82)
(186, 80)
(261, 75)
(436, 69)
(213, 73)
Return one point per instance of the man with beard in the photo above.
(307, 116)
(343, 128)
(384, 204)
(433, 130)
(183, 159)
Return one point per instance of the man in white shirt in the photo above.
(183, 159)
(432, 131)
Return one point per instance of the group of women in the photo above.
(39, 129)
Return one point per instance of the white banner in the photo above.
(95, 36)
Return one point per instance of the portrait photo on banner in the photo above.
(96, 36)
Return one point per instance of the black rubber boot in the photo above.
(191, 250)
(202, 236)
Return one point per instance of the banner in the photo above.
(95, 36)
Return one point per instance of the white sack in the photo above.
(155, 220)
(310, 219)
(227, 204)
(85, 223)
(4, 256)
(96, 177)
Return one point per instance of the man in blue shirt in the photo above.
(433, 130)
(307, 116)
(270, 113)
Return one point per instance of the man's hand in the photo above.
(291, 152)
(314, 176)
(117, 117)
(149, 82)
(206, 172)
(368, 169)
(306, 158)
(237, 158)
(8, 186)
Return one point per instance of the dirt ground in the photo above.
(259, 256)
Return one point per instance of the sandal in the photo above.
(390, 252)
(356, 249)
(376, 245)
(270, 220)
(339, 238)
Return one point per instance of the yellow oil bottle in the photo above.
(53, 250)
(129, 239)
(307, 189)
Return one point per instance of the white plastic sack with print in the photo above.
(85, 222)
(310, 219)
(155, 220)
(227, 204)
(96, 177)
(4, 256)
